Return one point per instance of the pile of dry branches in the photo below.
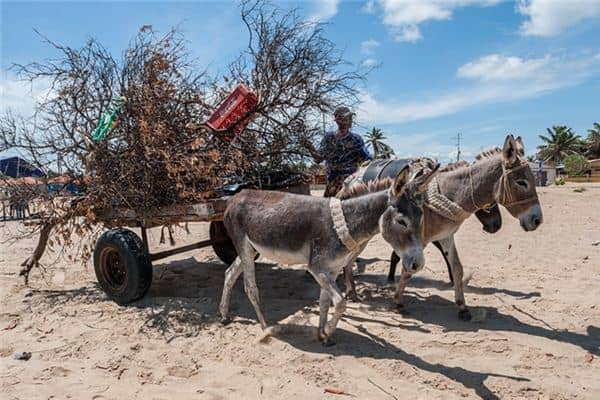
(151, 158)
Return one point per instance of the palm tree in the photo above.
(375, 139)
(560, 142)
(593, 141)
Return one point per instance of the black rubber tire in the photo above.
(222, 246)
(122, 265)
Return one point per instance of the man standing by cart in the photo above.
(343, 151)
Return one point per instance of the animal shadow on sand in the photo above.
(436, 310)
(284, 291)
(184, 296)
(369, 345)
(187, 292)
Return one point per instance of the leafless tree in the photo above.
(151, 158)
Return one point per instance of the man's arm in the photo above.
(363, 152)
(315, 153)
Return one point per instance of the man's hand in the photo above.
(304, 142)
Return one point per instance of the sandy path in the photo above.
(538, 295)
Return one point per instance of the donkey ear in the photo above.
(421, 180)
(509, 151)
(520, 146)
(401, 180)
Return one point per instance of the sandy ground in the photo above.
(536, 297)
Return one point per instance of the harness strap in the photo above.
(505, 196)
(382, 168)
(442, 205)
(339, 224)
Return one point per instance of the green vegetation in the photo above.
(560, 142)
(576, 165)
(375, 140)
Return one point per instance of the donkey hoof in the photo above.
(328, 342)
(464, 315)
(225, 321)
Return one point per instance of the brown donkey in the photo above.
(497, 176)
(324, 233)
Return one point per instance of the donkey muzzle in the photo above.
(531, 219)
(413, 262)
(492, 227)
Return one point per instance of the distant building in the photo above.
(595, 169)
(16, 167)
(544, 176)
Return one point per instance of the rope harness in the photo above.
(441, 205)
(339, 224)
(445, 207)
(434, 200)
(505, 196)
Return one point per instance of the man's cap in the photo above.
(342, 112)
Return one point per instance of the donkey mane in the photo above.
(361, 188)
(484, 155)
(455, 165)
(488, 153)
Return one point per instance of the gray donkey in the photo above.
(497, 176)
(324, 233)
(490, 217)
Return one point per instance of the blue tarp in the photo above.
(17, 167)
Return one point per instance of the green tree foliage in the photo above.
(375, 140)
(592, 142)
(576, 165)
(560, 142)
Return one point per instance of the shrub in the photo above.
(576, 165)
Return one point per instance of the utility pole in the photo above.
(458, 135)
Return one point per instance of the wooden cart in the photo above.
(123, 261)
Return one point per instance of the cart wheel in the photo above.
(222, 246)
(122, 266)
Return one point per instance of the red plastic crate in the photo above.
(233, 110)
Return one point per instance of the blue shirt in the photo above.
(343, 154)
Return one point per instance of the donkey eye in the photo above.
(402, 222)
(523, 183)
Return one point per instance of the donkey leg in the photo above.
(399, 296)
(327, 284)
(444, 252)
(394, 260)
(457, 272)
(324, 304)
(339, 306)
(252, 291)
(349, 277)
(350, 284)
(231, 276)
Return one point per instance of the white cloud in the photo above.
(323, 10)
(408, 33)
(550, 17)
(369, 62)
(408, 144)
(369, 7)
(553, 76)
(496, 67)
(368, 46)
(404, 16)
(21, 96)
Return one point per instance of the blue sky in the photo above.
(480, 67)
